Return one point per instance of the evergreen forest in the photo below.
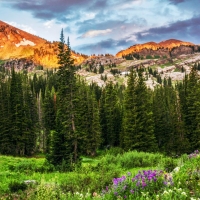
(60, 115)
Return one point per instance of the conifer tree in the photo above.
(168, 118)
(5, 146)
(64, 146)
(49, 116)
(110, 116)
(138, 124)
(191, 109)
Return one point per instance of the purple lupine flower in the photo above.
(125, 187)
(144, 184)
(165, 182)
(138, 183)
(115, 193)
(115, 181)
(129, 173)
(132, 191)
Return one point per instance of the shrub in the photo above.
(16, 186)
(170, 164)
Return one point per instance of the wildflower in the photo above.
(144, 184)
(176, 169)
(125, 187)
(138, 184)
(183, 193)
(165, 183)
(131, 191)
(94, 194)
(129, 173)
(165, 192)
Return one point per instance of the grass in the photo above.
(2, 62)
(94, 175)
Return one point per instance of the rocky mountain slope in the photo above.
(167, 49)
(15, 43)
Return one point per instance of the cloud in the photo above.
(49, 9)
(176, 1)
(100, 4)
(94, 33)
(49, 24)
(104, 46)
(185, 30)
(23, 27)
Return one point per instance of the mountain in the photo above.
(16, 44)
(168, 48)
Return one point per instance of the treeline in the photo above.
(62, 116)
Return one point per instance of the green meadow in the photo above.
(96, 177)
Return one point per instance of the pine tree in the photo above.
(138, 124)
(110, 116)
(191, 108)
(49, 116)
(64, 146)
(168, 118)
(5, 145)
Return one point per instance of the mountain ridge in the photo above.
(16, 43)
(168, 45)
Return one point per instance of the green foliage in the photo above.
(139, 134)
(170, 164)
(149, 57)
(16, 186)
(132, 159)
(101, 69)
(89, 180)
(115, 71)
(156, 56)
(39, 67)
(110, 116)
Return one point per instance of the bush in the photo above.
(16, 186)
(170, 164)
(115, 151)
(131, 159)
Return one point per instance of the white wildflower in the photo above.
(165, 192)
(183, 193)
(176, 169)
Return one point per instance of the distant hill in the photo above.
(168, 48)
(15, 43)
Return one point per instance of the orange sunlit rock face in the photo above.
(15, 43)
(168, 44)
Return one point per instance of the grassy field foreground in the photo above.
(114, 175)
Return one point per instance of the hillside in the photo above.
(168, 48)
(15, 44)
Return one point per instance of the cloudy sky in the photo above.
(105, 26)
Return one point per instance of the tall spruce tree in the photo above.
(64, 146)
(168, 118)
(138, 124)
(110, 116)
(191, 109)
(5, 146)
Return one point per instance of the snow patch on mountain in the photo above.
(25, 42)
